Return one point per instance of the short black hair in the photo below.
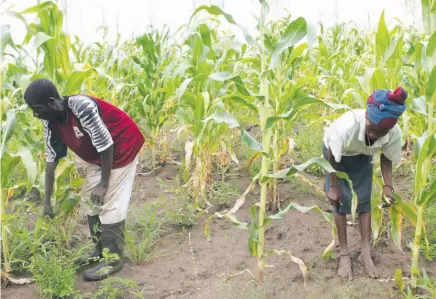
(40, 90)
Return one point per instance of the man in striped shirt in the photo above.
(109, 141)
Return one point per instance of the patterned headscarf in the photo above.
(385, 107)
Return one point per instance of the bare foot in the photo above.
(344, 270)
(366, 260)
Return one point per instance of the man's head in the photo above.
(384, 109)
(43, 98)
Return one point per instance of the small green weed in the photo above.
(114, 288)
(54, 271)
(308, 144)
(183, 215)
(220, 193)
(143, 233)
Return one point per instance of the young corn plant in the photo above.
(159, 102)
(271, 110)
(424, 189)
(207, 92)
(9, 162)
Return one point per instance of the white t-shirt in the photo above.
(346, 137)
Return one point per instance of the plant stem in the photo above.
(430, 116)
(5, 240)
(276, 158)
(417, 245)
(266, 140)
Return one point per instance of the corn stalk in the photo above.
(425, 190)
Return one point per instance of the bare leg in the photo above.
(365, 256)
(344, 270)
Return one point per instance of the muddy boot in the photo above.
(94, 227)
(112, 236)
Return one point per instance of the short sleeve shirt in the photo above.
(346, 137)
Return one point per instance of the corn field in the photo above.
(214, 107)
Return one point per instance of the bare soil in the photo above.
(193, 267)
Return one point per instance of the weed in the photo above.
(308, 144)
(183, 215)
(220, 193)
(54, 271)
(143, 233)
(113, 288)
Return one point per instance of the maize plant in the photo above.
(9, 161)
(272, 111)
(424, 189)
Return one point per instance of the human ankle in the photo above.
(344, 251)
(366, 249)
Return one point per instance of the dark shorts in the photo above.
(359, 169)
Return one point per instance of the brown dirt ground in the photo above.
(194, 267)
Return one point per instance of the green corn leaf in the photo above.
(74, 83)
(376, 219)
(287, 172)
(204, 31)
(417, 55)
(251, 142)
(428, 196)
(216, 11)
(225, 76)
(181, 90)
(425, 151)
(76, 183)
(234, 220)
(241, 100)
(427, 16)
(430, 91)
(392, 50)
(431, 46)
(198, 53)
(272, 120)
(378, 80)
(297, 52)
(418, 106)
(300, 103)
(396, 217)
(8, 163)
(7, 129)
(221, 76)
(223, 117)
(382, 37)
(293, 34)
(41, 38)
(407, 209)
(67, 205)
(6, 39)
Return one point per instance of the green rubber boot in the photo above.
(112, 236)
(94, 227)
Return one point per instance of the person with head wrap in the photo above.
(349, 144)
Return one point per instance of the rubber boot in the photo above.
(94, 227)
(112, 238)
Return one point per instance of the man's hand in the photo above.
(387, 196)
(334, 196)
(98, 193)
(48, 211)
